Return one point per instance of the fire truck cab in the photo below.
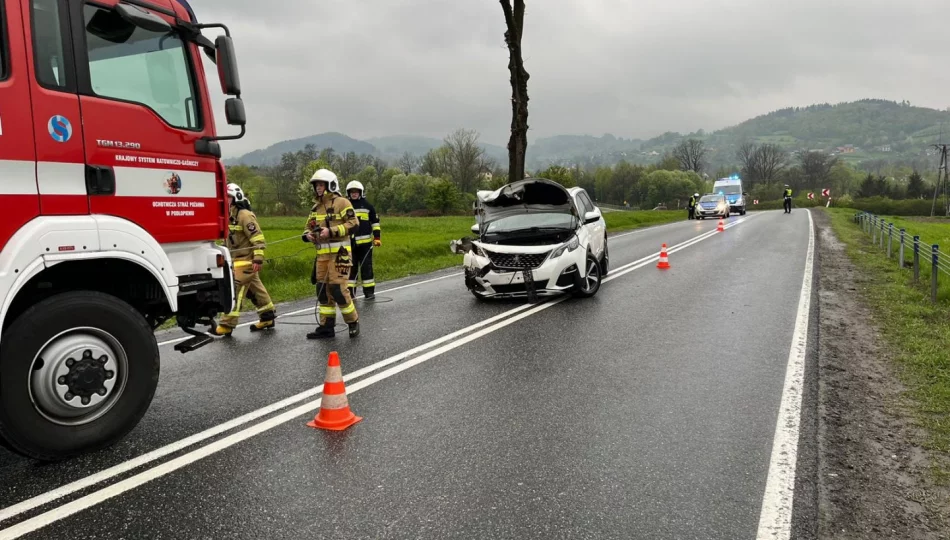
(113, 199)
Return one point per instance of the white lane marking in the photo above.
(775, 521)
(159, 453)
(305, 310)
(118, 488)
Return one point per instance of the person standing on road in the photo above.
(332, 219)
(365, 238)
(788, 199)
(246, 242)
(691, 205)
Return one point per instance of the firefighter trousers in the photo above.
(332, 276)
(362, 271)
(247, 284)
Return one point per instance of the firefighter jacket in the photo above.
(369, 222)
(335, 213)
(245, 239)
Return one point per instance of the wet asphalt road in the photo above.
(647, 411)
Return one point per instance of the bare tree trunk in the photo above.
(518, 143)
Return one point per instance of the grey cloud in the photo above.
(634, 69)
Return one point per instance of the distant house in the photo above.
(884, 148)
(846, 149)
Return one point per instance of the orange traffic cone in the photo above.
(335, 413)
(720, 228)
(664, 261)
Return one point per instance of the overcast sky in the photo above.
(631, 68)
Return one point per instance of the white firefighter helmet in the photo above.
(355, 185)
(236, 193)
(327, 177)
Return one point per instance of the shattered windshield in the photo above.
(541, 220)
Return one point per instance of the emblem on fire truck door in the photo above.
(172, 183)
(59, 128)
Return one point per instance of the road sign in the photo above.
(811, 195)
(756, 201)
(826, 192)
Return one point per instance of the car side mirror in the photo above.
(592, 216)
(744, 194)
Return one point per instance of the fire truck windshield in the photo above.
(130, 63)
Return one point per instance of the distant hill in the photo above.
(389, 148)
(271, 155)
(871, 129)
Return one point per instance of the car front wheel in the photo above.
(590, 284)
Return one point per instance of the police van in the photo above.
(731, 188)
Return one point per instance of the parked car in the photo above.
(535, 237)
(712, 205)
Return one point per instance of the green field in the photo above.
(917, 330)
(411, 246)
(931, 231)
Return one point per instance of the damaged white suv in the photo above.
(535, 238)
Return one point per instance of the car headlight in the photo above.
(571, 245)
(477, 251)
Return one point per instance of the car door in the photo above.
(142, 113)
(60, 155)
(596, 229)
(19, 196)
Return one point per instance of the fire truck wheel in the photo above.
(77, 372)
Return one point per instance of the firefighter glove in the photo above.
(377, 242)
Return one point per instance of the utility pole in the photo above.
(943, 182)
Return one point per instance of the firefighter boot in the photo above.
(267, 321)
(354, 329)
(221, 330)
(324, 331)
(369, 293)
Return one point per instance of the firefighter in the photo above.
(788, 199)
(246, 243)
(332, 220)
(691, 205)
(365, 238)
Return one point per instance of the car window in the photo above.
(587, 202)
(48, 47)
(711, 198)
(582, 206)
(527, 221)
(130, 63)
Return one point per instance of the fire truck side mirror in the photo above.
(234, 112)
(142, 18)
(227, 66)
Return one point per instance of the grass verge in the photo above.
(917, 330)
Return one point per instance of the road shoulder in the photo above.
(874, 477)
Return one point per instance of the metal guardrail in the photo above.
(884, 236)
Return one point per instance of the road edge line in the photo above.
(775, 518)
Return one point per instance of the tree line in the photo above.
(445, 179)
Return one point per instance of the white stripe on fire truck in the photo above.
(17, 177)
(141, 182)
(61, 178)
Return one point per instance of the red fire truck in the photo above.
(113, 197)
